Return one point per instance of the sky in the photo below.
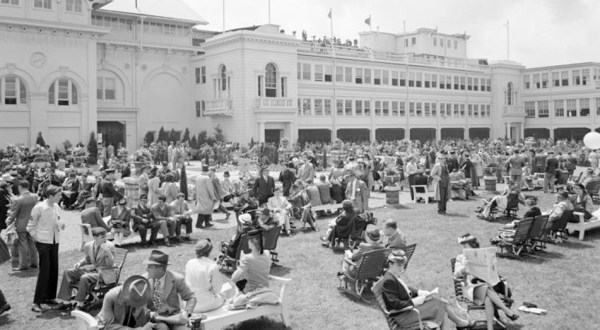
(541, 32)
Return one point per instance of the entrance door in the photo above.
(272, 136)
(113, 132)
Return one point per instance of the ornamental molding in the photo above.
(250, 38)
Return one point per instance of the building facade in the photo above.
(125, 68)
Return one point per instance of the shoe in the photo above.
(37, 308)
(441, 212)
(167, 243)
(4, 308)
(209, 225)
(20, 269)
(514, 317)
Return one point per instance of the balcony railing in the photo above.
(268, 103)
(514, 109)
(222, 107)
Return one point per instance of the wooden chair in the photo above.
(86, 234)
(84, 321)
(519, 241)
(368, 268)
(421, 191)
(377, 290)
(409, 250)
(270, 238)
(536, 233)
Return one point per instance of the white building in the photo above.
(72, 67)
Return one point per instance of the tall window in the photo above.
(530, 109)
(9, 2)
(555, 79)
(318, 107)
(270, 80)
(544, 80)
(509, 92)
(339, 73)
(12, 91)
(46, 4)
(318, 72)
(328, 73)
(106, 88)
(62, 92)
(197, 72)
(543, 111)
(73, 5)
(203, 73)
(559, 108)
(223, 78)
(572, 108)
(564, 78)
(584, 107)
(526, 81)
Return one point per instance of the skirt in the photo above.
(433, 310)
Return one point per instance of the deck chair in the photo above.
(362, 272)
(377, 290)
(86, 234)
(536, 233)
(351, 241)
(470, 306)
(409, 250)
(84, 321)
(108, 279)
(519, 241)
(558, 232)
(270, 238)
(228, 264)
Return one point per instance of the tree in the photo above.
(201, 138)
(194, 142)
(183, 182)
(186, 135)
(251, 142)
(92, 149)
(161, 134)
(40, 140)
(149, 138)
(324, 159)
(173, 136)
(219, 137)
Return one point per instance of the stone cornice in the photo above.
(239, 36)
(35, 25)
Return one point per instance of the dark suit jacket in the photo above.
(21, 211)
(264, 189)
(108, 190)
(365, 247)
(344, 224)
(395, 295)
(93, 217)
(124, 216)
(114, 311)
(551, 165)
(139, 213)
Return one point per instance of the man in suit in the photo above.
(167, 289)
(515, 165)
(182, 214)
(452, 161)
(144, 220)
(126, 306)
(219, 190)
(20, 212)
(206, 197)
(550, 172)
(99, 254)
(441, 180)
(91, 215)
(264, 186)
(357, 192)
(120, 216)
(109, 193)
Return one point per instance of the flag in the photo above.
(368, 21)
(329, 15)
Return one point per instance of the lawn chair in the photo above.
(108, 279)
(520, 239)
(270, 238)
(84, 321)
(536, 233)
(228, 264)
(458, 292)
(377, 289)
(365, 270)
(409, 250)
(558, 232)
(86, 234)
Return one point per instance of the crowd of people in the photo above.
(33, 196)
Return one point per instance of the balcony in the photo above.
(275, 104)
(515, 113)
(223, 107)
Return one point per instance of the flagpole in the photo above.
(333, 79)
(507, 40)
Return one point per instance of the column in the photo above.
(438, 133)
(466, 133)
(372, 133)
(261, 131)
(507, 130)
(522, 130)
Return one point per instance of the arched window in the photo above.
(63, 92)
(270, 80)
(12, 91)
(509, 96)
(223, 77)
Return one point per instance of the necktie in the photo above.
(156, 295)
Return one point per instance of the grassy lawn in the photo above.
(564, 279)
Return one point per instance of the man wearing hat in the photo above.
(144, 220)
(167, 289)
(91, 214)
(550, 172)
(206, 198)
(143, 180)
(264, 186)
(125, 306)
(441, 180)
(562, 204)
(109, 193)
(373, 242)
(357, 192)
(99, 255)
(20, 212)
(219, 190)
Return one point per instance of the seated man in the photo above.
(266, 221)
(324, 190)
(509, 199)
(373, 242)
(144, 220)
(562, 204)
(314, 195)
(394, 239)
(99, 254)
(120, 216)
(161, 211)
(182, 214)
(588, 177)
(70, 190)
(85, 191)
(126, 306)
(280, 208)
(508, 230)
(342, 225)
(92, 216)
(460, 184)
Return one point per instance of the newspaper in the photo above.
(482, 264)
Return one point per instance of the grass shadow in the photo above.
(24, 273)
(280, 270)
(577, 245)
(263, 322)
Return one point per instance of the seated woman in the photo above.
(342, 225)
(508, 230)
(245, 225)
(398, 295)
(510, 198)
(204, 278)
(373, 242)
(279, 208)
(478, 291)
(582, 202)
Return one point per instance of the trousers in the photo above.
(45, 287)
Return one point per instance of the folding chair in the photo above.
(536, 233)
(519, 241)
(368, 268)
(270, 238)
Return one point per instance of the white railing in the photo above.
(514, 109)
(272, 103)
(219, 107)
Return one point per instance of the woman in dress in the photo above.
(582, 202)
(253, 272)
(204, 278)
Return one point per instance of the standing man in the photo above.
(550, 172)
(20, 212)
(109, 193)
(515, 165)
(167, 289)
(357, 192)
(219, 190)
(206, 197)
(264, 186)
(143, 180)
(441, 180)
(45, 227)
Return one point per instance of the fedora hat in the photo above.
(136, 291)
(157, 258)
(203, 246)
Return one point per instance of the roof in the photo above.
(171, 9)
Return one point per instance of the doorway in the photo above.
(113, 133)
(272, 136)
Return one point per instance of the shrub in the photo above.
(149, 137)
(40, 140)
(219, 137)
(186, 135)
(92, 149)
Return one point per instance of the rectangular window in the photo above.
(203, 69)
(367, 107)
(318, 107)
(358, 75)
(419, 79)
(543, 111)
(306, 71)
(572, 108)
(536, 81)
(73, 5)
(377, 77)
(318, 72)
(448, 82)
(470, 84)
(327, 107)
(46, 4)
(402, 109)
(358, 106)
(260, 79)
(385, 78)
(328, 73)
(348, 72)
(584, 107)
(12, 2)
(482, 80)
(395, 108)
(576, 77)
(559, 108)
(488, 112)
(564, 78)
(339, 107)
(99, 88)
(283, 86)
(306, 110)
(419, 109)
(476, 110)
(529, 109)
(456, 110)
(434, 109)
(488, 83)
(385, 106)
(411, 109)
(197, 72)
(442, 81)
(456, 82)
(470, 110)
(427, 80)
(462, 83)
(339, 73)
(348, 107)
(462, 110)
(413, 41)
(544, 80)
(402, 78)
(198, 109)
(555, 79)
(110, 88)
(377, 108)
(427, 108)
(367, 76)
(411, 79)
(434, 81)
(585, 75)
(63, 92)
(476, 84)
(10, 90)
(394, 78)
